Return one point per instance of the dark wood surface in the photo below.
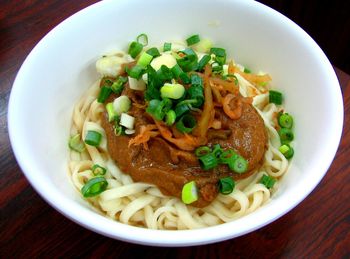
(318, 228)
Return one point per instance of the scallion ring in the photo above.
(94, 187)
(226, 185)
(186, 123)
(201, 151)
(93, 138)
(208, 161)
(98, 170)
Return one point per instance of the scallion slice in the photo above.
(247, 70)
(196, 80)
(201, 151)
(98, 170)
(286, 135)
(238, 165)
(275, 97)
(170, 117)
(167, 46)
(145, 59)
(268, 181)
(94, 187)
(112, 115)
(193, 40)
(142, 39)
(118, 86)
(93, 138)
(154, 52)
(189, 193)
(136, 71)
(105, 92)
(186, 123)
(204, 60)
(208, 161)
(173, 91)
(285, 120)
(226, 185)
(287, 151)
(76, 144)
(135, 49)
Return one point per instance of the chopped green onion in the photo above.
(204, 60)
(136, 84)
(268, 181)
(145, 59)
(98, 170)
(105, 92)
(216, 67)
(201, 151)
(217, 150)
(203, 46)
(275, 97)
(177, 71)
(195, 92)
(226, 185)
(247, 70)
(135, 72)
(76, 144)
(157, 109)
(170, 117)
(93, 138)
(112, 115)
(196, 80)
(127, 121)
(225, 77)
(184, 78)
(193, 40)
(238, 165)
(167, 46)
(208, 161)
(228, 157)
(121, 104)
(173, 91)
(218, 52)
(286, 135)
(186, 123)
(94, 187)
(118, 86)
(181, 108)
(285, 120)
(135, 48)
(119, 130)
(154, 52)
(287, 151)
(189, 61)
(142, 39)
(189, 192)
(164, 74)
(220, 55)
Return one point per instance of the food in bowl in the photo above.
(178, 137)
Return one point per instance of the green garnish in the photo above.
(94, 187)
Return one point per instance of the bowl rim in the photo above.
(165, 237)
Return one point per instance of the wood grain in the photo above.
(29, 227)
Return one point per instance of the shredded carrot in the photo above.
(146, 133)
(252, 78)
(208, 109)
(235, 113)
(225, 85)
(216, 93)
(185, 142)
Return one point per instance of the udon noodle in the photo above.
(144, 205)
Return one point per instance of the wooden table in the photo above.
(319, 227)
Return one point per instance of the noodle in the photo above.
(142, 204)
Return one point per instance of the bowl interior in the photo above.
(62, 66)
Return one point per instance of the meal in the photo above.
(178, 137)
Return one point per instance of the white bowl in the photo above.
(61, 67)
